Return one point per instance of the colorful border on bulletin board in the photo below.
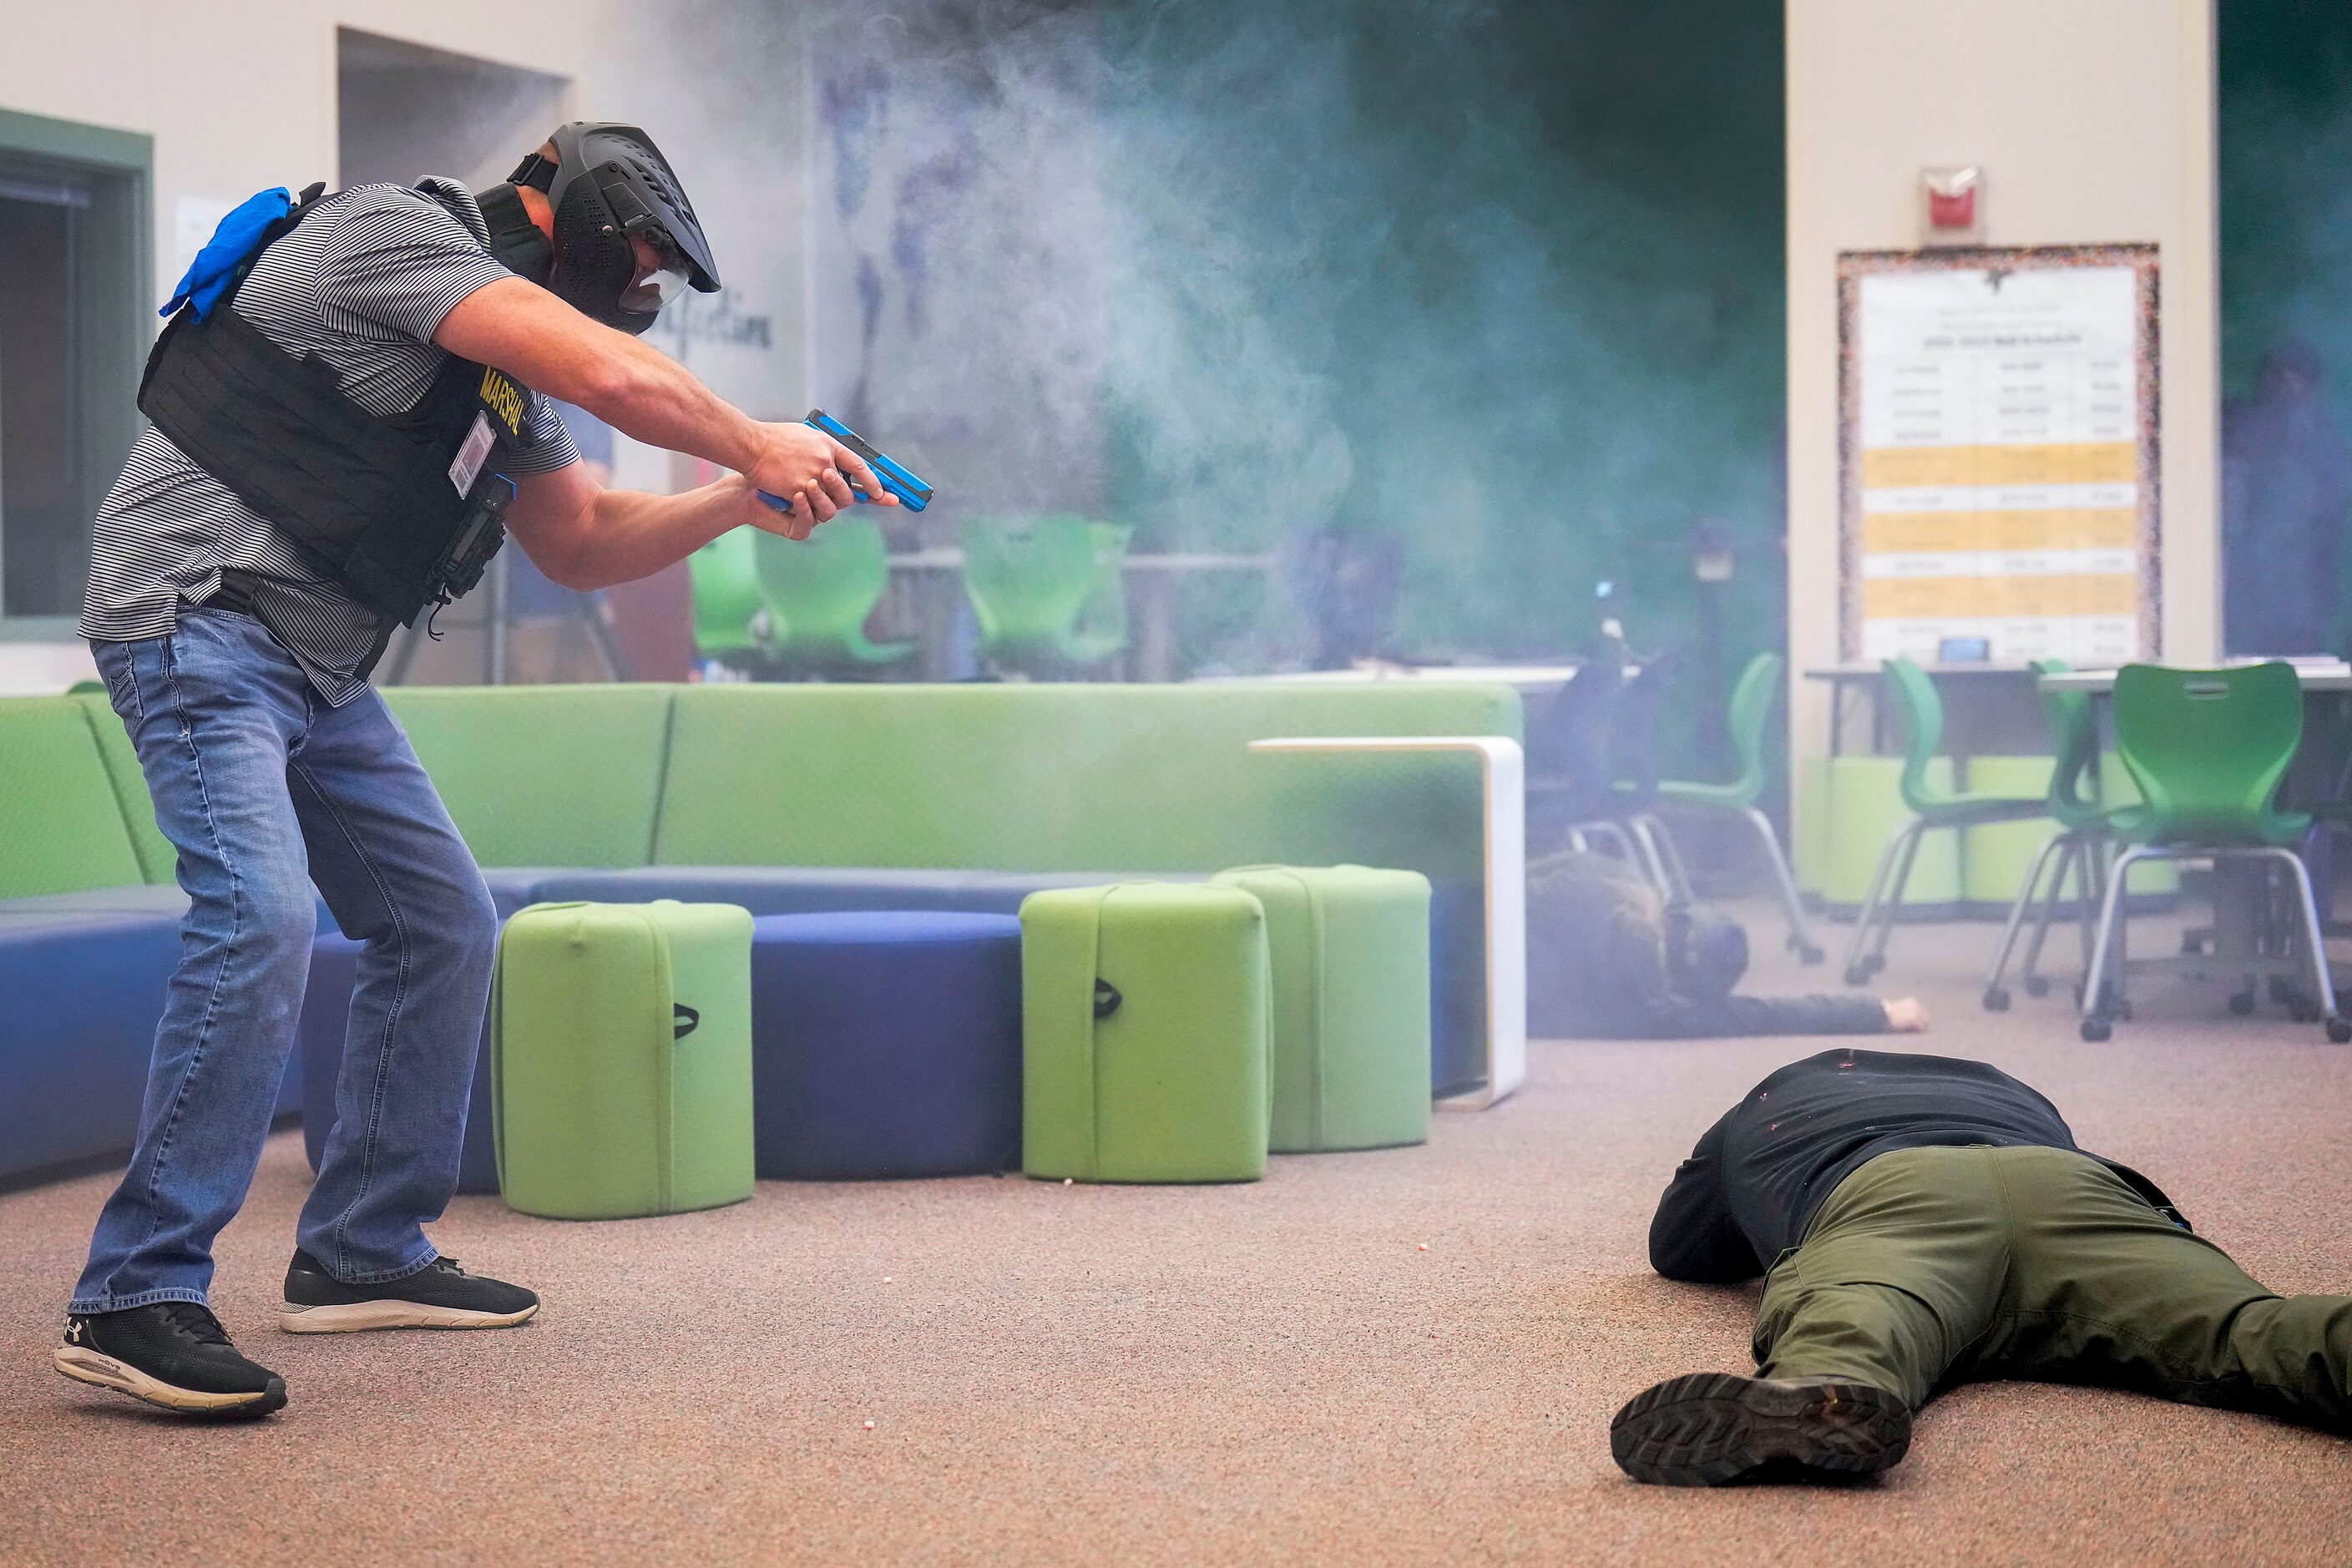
(1854, 266)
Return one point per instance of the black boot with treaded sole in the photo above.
(1711, 1428)
(438, 1295)
(170, 1354)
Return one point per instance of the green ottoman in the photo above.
(1349, 949)
(1144, 1034)
(621, 1058)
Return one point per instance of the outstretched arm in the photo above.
(585, 536)
(550, 347)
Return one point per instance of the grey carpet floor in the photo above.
(1274, 1373)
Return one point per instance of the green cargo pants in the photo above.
(1935, 1266)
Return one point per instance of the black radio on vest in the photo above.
(404, 512)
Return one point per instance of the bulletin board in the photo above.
(1997, 451)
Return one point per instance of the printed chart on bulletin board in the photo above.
(1999, 450)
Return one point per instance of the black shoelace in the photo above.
(194, 1320)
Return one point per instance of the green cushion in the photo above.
(1349, 949)
(61, 822)
(602, 1107)
(157, 861)
(1070, 777)
(544, 776)
(1145, 1016)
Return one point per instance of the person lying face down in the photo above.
(1921, 1220)
(1609, 959)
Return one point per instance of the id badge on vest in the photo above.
(501, 406)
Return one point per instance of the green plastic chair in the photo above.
(1932, 807)
(1099, 631)
(1751, 709)
(2078, 849)
(2207, 748)
(820, 589)
(732, 617)
(1028, 581)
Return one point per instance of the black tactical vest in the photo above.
(401, 510)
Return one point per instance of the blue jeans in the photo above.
(266, 790)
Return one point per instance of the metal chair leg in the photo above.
(1658, 850)
(1886, 885)
(2075, 859)
(1616, 833)
(1792, 903)
(2106, 949)
(2340, 1028)
(1996, 995)
(2098, 857)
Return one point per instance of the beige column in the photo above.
(2093, 120)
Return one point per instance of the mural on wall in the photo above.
(957, 308)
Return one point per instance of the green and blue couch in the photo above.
(787, 799)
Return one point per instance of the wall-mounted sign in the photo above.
(1998, 448)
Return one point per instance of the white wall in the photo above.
(240, 95)
(2093, 120)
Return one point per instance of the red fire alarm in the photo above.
(1952, 197)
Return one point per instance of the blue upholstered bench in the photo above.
(886, 1044)
(763, 889)
(83, 974)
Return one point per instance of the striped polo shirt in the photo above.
(363, 281)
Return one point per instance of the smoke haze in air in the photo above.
(1450, 273)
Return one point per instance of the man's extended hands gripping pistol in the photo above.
(869, 475)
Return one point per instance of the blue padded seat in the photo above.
(1457, 921)
(83, 990)
(886, 1044)
(802, 890)
(763, 889)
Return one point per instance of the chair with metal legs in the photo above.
(1933, 809)
(2078, 849)
(2207, 748)
(1625, 809)
(1750, 711)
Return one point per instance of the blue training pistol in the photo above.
(912, 493)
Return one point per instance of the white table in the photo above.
(1526, 676)
(1503, 798)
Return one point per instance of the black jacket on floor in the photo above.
(1754, 1183)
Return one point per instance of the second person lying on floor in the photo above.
(1609, 959)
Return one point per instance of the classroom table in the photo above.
(2318, 675)
(1844, 680)
(2236, 899)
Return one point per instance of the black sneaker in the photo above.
(438, 1295)
(171, 1354)
(1711, 1428)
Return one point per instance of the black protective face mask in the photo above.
(608, 186)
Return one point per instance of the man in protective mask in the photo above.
(350, 410)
